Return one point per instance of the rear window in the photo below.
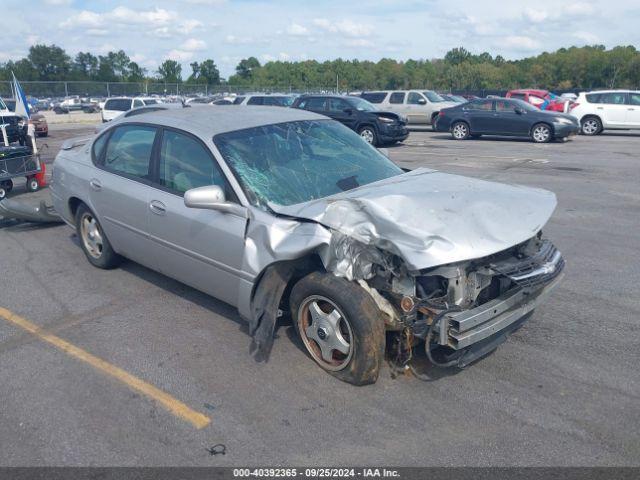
(396, 97)
(119, 104)
(150, 101)
(374, 97)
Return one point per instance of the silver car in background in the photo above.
(418, 106)
(283, 212)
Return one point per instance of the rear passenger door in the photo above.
(120, 188)
(633, 110)
(314, 104)
(480, 116)
(395, 103)
(202, 248)
(613, 107)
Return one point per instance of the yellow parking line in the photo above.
(173, 405)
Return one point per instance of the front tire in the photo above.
(369, 135)
(32, 184)
(591, 126)
(340, 326)
(93, 241)
(460, 131)
(541, 133)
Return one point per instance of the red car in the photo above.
(543, 99)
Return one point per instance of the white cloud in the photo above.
(579, 8)
(233, 40)
(97, 32)
(193, 44)
(188, 26)
(179, 55)
(358, 42)
(519, 42)
(587, 37)
(207, 2)
(345, 27)
(58, 3)
(536, 15)
(121, 16)
(296, 29)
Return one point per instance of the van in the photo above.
(418, 106)
(116, 106)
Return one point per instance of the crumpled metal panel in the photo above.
(29, 213)
(430, 218)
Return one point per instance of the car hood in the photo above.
(430, 218)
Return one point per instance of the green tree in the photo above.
(246, 67)
(170, 71)
(50, 62)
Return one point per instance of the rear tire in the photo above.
(3, 193)
(340, 326)
(93, 241)
(460, 131)
(32, 184)
(541, 133)
(590, 126)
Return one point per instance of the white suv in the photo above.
(418, 106)
(607, 109)
(116, 106)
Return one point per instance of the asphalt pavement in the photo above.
(564, 390)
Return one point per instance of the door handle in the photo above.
(95, 184)
(157, 207)
(600, 108)
(631, 109)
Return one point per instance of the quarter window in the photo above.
(502, 106)
(98, 147)
(185, 164)
(634, 98)
(397, 97)
(313, 103)
(138, 103)
(414, 98)
(255, 101)
(129, 150)
(374, 97)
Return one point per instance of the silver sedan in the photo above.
(285, 213)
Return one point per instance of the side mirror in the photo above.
(211, 197)
(422, 101)
(518, 110)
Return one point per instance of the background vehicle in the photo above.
(15, 125)
(266, 100)
(294, 211)
(418, 106)
(509, 117)
(453, 98)
(543, 99)
(115, 106)
(39, 122)
(607, 110)
(376, 127)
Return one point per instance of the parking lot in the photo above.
(128, 367)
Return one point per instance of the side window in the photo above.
(414, 99)
(593, 97)
(481, 105)
(98, 147)
(634, 98)
(138, 103)
(129, 150)
(185, 164)
(315, 103)
(614, 98)
(537, 101)
(374, 97)
(337, 105)
(255, 101)
(238, 100)
(519, 96)
(397, 97)
(503, 106)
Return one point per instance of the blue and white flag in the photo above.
(22, 106)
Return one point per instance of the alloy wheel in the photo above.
(325, 332)
(541, 133)
(459, 131)
(590, 126)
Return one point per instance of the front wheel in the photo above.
(369, 135)
(32, 184)
(93, 241)
(460, 131)
(340, 326)
(541, 133)
(591, 126)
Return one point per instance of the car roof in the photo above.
(530, 90)
(612, 91)
(209, 120)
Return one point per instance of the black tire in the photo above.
(361, 326)
(7, 185)
(460, 130)
(103, 257)
(368, 133)
(433, 121)
(590, 125)
(3, 193)
(32, 184)
(541, 133)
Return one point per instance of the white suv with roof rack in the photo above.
(607, 110)
(116, 106)
(419, 106)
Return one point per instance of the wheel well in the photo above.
(434, 115)
(362, 125)
(590, 115)
(74, 203)
(460, 121)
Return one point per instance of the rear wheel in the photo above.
(93, 241)
(460, 131)
(3, 193)
(591, 126)
(369, 135)
(340, 327)
(541, 133)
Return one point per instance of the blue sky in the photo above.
(229, 30)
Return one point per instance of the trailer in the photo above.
(20, 161)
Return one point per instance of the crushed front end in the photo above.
(465, 310)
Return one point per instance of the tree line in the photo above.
(565, 69)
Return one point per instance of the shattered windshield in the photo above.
(295, 162)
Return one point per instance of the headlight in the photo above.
(564, 121)
(387, 119)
